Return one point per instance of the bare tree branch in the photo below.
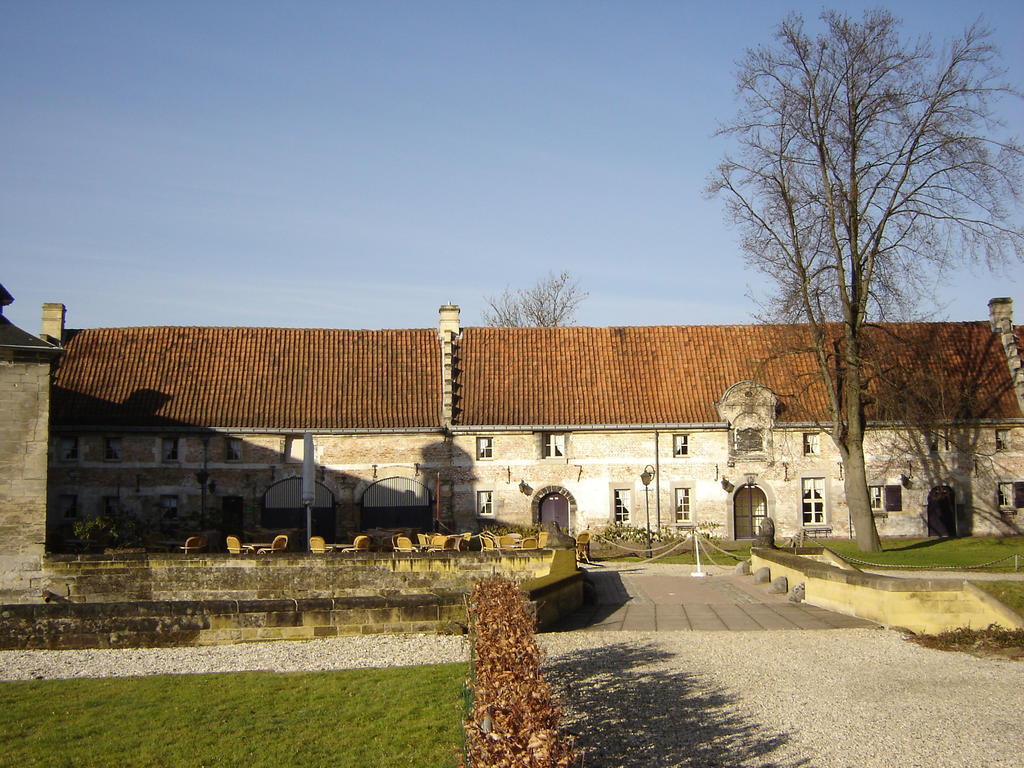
(552, 301)
(866, 165)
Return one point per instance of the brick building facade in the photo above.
(194, 429)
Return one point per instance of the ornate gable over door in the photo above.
(749, 409)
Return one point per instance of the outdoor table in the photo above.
(254, 545)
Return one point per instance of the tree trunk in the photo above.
(857, 497)
(855, 476)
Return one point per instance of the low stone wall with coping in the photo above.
(920, 605)
(216, 576)
(376, 593)
(215, 622)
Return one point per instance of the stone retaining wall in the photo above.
(215, 576)
(396, 593)
(214, 622)
(920, 605)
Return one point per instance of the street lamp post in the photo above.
(645, 477)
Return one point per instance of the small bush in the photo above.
(979, 641)
(513, 721)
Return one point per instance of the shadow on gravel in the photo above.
(622, 713)
(604, 594)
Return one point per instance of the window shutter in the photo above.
(1018, 495)
(893, 498)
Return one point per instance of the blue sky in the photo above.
(356, 164)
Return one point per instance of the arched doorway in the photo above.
(397, 502)
(749, 508)
(554, 508)
(283, 508)
(942, 511)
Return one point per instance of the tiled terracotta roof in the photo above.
(249, 377)
(274, 378)
(675, 374)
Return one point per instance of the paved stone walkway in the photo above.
(648, 598)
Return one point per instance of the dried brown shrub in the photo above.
(514, 718)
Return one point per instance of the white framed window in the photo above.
(485, 447)
(876, 495)
(1002, 439)
(485, 503)
(812, 443)
(622, 503)
(168, 507)
(294, 449)
(169, 449)
(552, 445)
(813, 500)
(233, 449)
(1005, 493)
(68, 505)
(112, 448)
(680, 445)
(684, 512)
(67, 449)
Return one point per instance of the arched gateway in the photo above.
(397, 502)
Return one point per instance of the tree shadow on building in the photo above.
(625, 709)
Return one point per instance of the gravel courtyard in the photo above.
(848, 697)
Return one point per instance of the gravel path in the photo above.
(782, 699)
(845, 698)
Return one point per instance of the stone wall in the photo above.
(920, 605)
(128, 577)
(24, 428)
(215, 622)
(136, 601)
(597, 463)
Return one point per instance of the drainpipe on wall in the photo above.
(657, 481)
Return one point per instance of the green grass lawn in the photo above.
(963, 552)
(407, 716)
(1009, 592)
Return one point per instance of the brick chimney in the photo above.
(53, 323)
(1000, 312)
(448, 330)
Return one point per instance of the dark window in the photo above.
(112, 448)
(233, 449)
(69, 505)
(68, 449)
(169, 449)
(893, 498)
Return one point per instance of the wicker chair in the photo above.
(317, 545)
(583, 546)
(403, 544)
(234, 545)
(361, 543)
(194, 544)
(280, 544)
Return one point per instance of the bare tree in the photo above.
(866, 163)
(552, 301)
